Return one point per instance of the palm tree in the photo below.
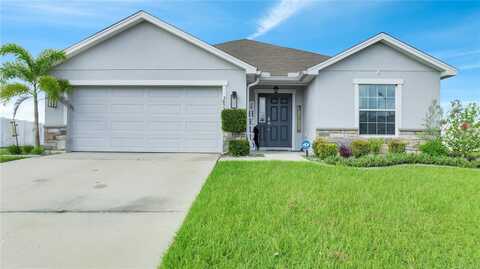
(26, 77)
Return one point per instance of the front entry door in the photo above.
(275, 120)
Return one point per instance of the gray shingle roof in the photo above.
(271, 58)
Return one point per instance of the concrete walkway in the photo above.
(269, 156)
(86, 210)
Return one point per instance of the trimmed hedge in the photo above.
(434, 147)
(38, 150)
(239, 147)
(375, 145)
(326, 150)
(27, 149)
(402, 158)
(360, 148)
(397, 146)
(234, 120)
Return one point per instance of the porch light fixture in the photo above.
(275, 89)
(234, 100)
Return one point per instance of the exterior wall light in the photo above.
(234, 100)
(275, 89)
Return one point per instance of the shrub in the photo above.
(375, 145)
(434, 147)
(317, 142)
(234, 120)
(326, 150)
(360, 148)
(239, 147)
(14, 150)
(397, 146)
(27, 149)
(38, 150)
(345, 151)
(462, 135)
(403, 158)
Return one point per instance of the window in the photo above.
(261, 110)
(377, 109)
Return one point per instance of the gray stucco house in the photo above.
(146, 86)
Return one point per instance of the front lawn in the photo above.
(8, 158)
(307, 215)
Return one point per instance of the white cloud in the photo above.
(278, 14)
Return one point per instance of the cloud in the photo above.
(279, 13)
(449, 54)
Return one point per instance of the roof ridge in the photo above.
(270, 44)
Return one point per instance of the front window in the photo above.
(377, 109)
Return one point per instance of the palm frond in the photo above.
(47, 59)
(19, 52)
(10, 90)
(18, 102)
(50, 86)
(65, 86)
(17, 69)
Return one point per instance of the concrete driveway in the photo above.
(96, 210)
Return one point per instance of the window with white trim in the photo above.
(376, 109)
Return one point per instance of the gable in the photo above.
(383, 57)
(415, 54)
(145, 46)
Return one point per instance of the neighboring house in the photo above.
(25, 132)
(143, 85)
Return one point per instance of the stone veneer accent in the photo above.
(55, 138)
(346, 136)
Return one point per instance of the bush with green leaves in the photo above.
(397, 146)
(462, 134)
(375, 145)
(325, 150)
(38, 150)
(316, 143)
(402, 158)
(234, 120)
(14, 150)
(434, 147)
(27, 149)
(360, 148)
(239, 147)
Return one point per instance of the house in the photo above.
(144, 85)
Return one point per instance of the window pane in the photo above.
(381, 127)
(390, 129)
(261, 109)
(372, 91)
(391, 91)
(390, 103)
(381, 103)
(363, 91)
(372, 103)
(382, 117)
(363, 128)
(382, 91)
(372, 116)
(391, 117)
(372, 128)
(363, 103)
(363, 116)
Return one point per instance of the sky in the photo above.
(448, 30)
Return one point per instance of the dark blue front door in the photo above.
(275, 125)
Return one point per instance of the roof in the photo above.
(271, 58)
(445, 69)
(144, 16)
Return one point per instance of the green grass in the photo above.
(307, 215)
(4, 158)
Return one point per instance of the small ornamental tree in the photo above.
(433, 122)
(462, 134)
(235, 122)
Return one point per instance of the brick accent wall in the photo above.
(346, 136)
(55, 138)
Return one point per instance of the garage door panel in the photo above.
(148, 119)
(164, 108)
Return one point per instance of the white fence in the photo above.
(25, 131)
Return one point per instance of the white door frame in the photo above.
(294, 123)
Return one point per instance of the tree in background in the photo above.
(26, 77)
(433, 121)
(462, 134)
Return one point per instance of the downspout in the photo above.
(249, 132)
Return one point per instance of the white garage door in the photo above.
(146, 119)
